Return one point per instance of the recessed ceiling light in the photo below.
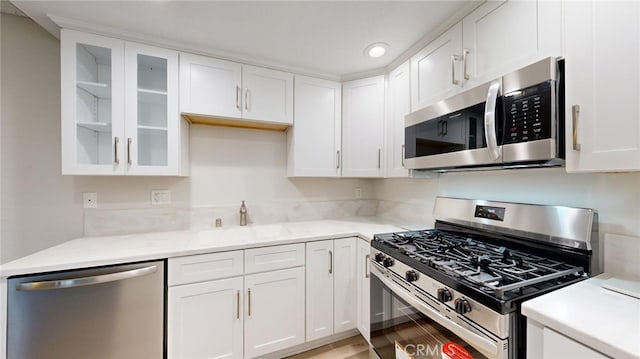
(376, 50)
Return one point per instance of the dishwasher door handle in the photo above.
(83, 281)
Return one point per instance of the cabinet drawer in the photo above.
(271, 258)
(198, 268)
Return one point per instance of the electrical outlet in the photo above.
(160, 196)
(358, 192)
(90, 199)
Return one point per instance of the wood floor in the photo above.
(350, 348)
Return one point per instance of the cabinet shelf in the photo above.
(96, 126)
(152, 96)
(97, 89)
(152, 128)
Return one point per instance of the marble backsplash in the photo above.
(410, 215)
(620, 255)
(101, 222)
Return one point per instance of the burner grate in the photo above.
(490, 268)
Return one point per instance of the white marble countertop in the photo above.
(97, 251)
(604, 320)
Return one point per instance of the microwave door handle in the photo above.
(490, 120)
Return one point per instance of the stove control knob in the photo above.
(411, 276)
(444, 295)
(379, 257)
(387, 262)
(462, 306)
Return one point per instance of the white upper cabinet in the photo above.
(152, 120)
(436, 70)
(92, 77)
(399, 101)
(314, 141)
(210, 86)
(268, 95)
(602, 42)
(120, 108)
(496, 38)
(501, 36)
(362, 127)
(214, 91)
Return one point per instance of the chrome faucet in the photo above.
(243, 214)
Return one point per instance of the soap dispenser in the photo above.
(243, 214)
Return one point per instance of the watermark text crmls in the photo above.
(424, 350)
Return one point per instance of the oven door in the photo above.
(404, 326)
(462, 131)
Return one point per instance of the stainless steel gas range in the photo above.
(455, 291)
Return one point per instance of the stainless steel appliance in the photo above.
(514, 121)
(461, 284)
(106, 312)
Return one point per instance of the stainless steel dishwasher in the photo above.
(105, 312)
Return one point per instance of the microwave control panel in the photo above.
(529, 113)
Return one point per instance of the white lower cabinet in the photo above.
(363, 296)
(275, 311)
(239, 317)
(206, 319)
(331, 305)
(545, 343)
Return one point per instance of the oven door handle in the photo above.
(485, 345)
(490, 114)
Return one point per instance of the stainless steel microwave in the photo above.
(514, 121)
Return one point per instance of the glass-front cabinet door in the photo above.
(92, 69)
(152, 117)
(120, 108)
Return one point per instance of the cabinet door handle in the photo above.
(367, 272)
(116, 141)
(246, 99)
(575, 116)
(379, 158)
(465, 74)
(402, 155)
(454, 58)
(338, 159)
(330, 262)
(129, 140)
(249, 302)
(445, 127)
(238, 98)
(238, 305)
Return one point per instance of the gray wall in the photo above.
(38, 206)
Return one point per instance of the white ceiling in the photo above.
(315, 37)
